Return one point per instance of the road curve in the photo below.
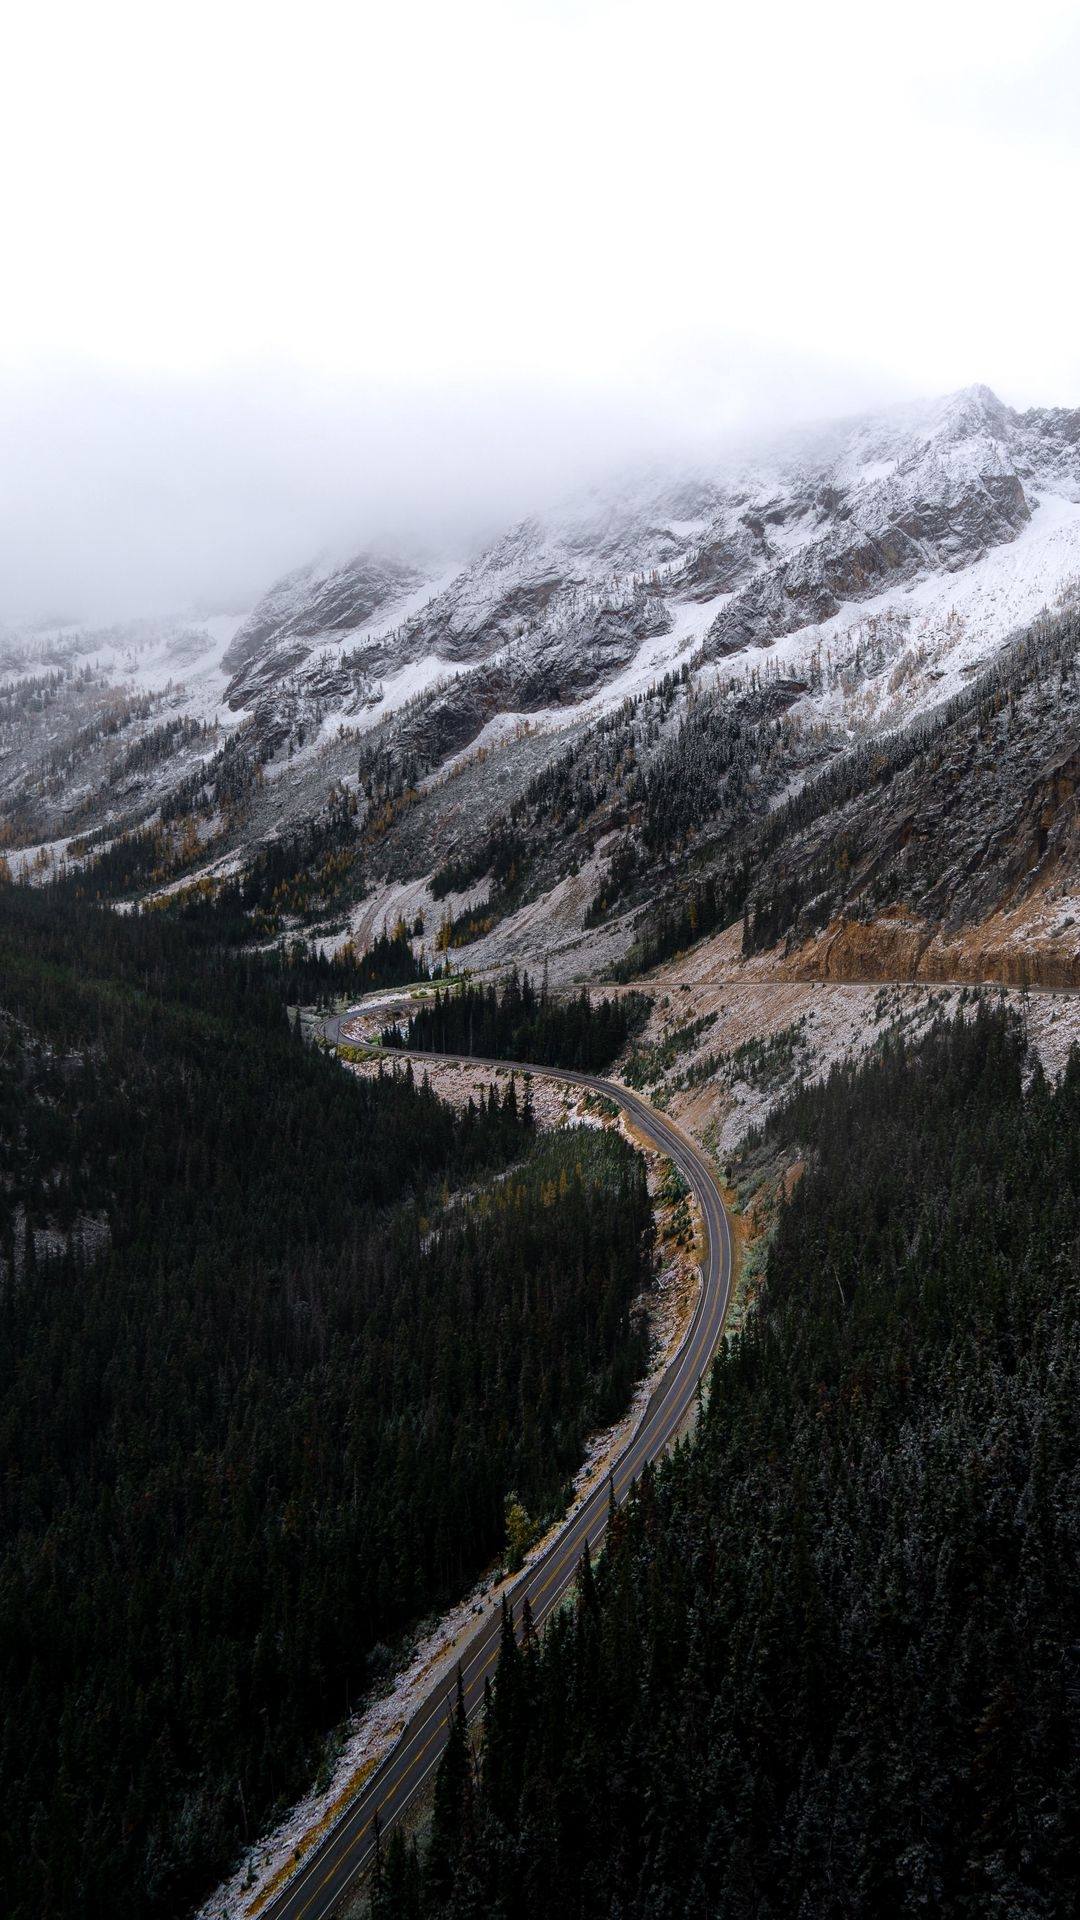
(326, 1875)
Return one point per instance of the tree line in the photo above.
(515, 1020)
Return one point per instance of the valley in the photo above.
(337, 1862)
(540, 962)
(722, 800)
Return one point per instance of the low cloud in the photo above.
(123, 496)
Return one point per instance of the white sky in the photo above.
(267, 267)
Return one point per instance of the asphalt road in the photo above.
(326, 1875)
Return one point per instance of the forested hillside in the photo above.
(514, 1021)
(830, 1660)
(269, 1376)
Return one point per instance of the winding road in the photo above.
(327, 1874)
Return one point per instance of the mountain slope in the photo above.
(800, 597)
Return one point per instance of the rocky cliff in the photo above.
(803, 598)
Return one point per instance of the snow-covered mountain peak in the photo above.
(972, 411)
(733, 554)
(961, 505)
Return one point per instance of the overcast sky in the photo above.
(279, 275)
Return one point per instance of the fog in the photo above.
(276, 281)
(127, 496)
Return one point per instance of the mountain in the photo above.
(769, 544)
(799, 598)
(321, 601)
(789, 745)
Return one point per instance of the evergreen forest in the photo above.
(277, 1345)
(829, 1661)
(515, 1021)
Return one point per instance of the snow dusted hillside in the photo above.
(871, 566)
(895, 513)
(98, 723)
(933, 632)
(149, 655)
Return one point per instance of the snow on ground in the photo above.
(346, 640)
(832, 1022)
(547, 932)
(936, 631)
(956, 620)
(934, 634)
(500, 731)
(415, 678)
(39, 862)
(664, 653)
(398, 900)
(223, 867)
(553, 1103)
(827, 1022)
(144, 656)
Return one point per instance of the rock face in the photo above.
(894, 506)
(854, 573)
(784, 540)
(527, 678)
(317, 603)
(1012, 949)
(962, 846)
